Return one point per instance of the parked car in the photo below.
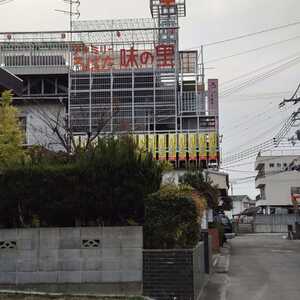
(225, 221)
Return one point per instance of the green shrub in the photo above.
(170, 219)
(105, 186)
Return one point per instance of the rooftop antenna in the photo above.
(73, 11)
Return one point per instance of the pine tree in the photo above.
(11, 134)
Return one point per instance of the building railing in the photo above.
(190, 102)
(32, 55)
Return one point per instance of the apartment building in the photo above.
(278, 182)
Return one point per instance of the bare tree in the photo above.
(57, 131)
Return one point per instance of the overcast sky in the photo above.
(250, 115)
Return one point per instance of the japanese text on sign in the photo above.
(99, 59)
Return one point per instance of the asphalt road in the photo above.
(262, 267)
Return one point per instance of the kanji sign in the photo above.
(103, 58)
(167, 2)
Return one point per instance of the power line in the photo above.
(250, 34)
(261, 77)
(252, 50)
(293, 56)
(252, 151)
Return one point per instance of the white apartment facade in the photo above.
(278, 179)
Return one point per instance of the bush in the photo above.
(171, 219)
(105, 186)
(204, 187)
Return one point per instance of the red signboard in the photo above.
(97, 59)
(167, 2)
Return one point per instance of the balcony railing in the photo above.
(191, 102)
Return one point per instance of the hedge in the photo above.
(106, 187)
(170, 220)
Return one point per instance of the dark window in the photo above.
(271, 165)
(49, 86)
(36, 86)
(62, 85)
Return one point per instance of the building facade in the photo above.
(239, 204)
(115, 77)
(278, 181)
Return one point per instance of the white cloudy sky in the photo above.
(250, 115)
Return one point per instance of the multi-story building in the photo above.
(117, 77)
(278, 181)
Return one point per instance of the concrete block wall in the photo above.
(274, 223)
(71, 255)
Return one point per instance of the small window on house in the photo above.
(285, 164)
(279, 165)
(271, 165)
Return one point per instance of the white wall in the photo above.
(37, 132)
(278, 188)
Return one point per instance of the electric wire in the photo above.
(250, 34)
(214, 60)
(295, 55)
(260, 77)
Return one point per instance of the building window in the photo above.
(279, 165)
(285, 165)
(35, 86)
(49, 86)
(271, 165)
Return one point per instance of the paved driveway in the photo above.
(262, 267)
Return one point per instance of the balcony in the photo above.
(191, 102)
(32, 59)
